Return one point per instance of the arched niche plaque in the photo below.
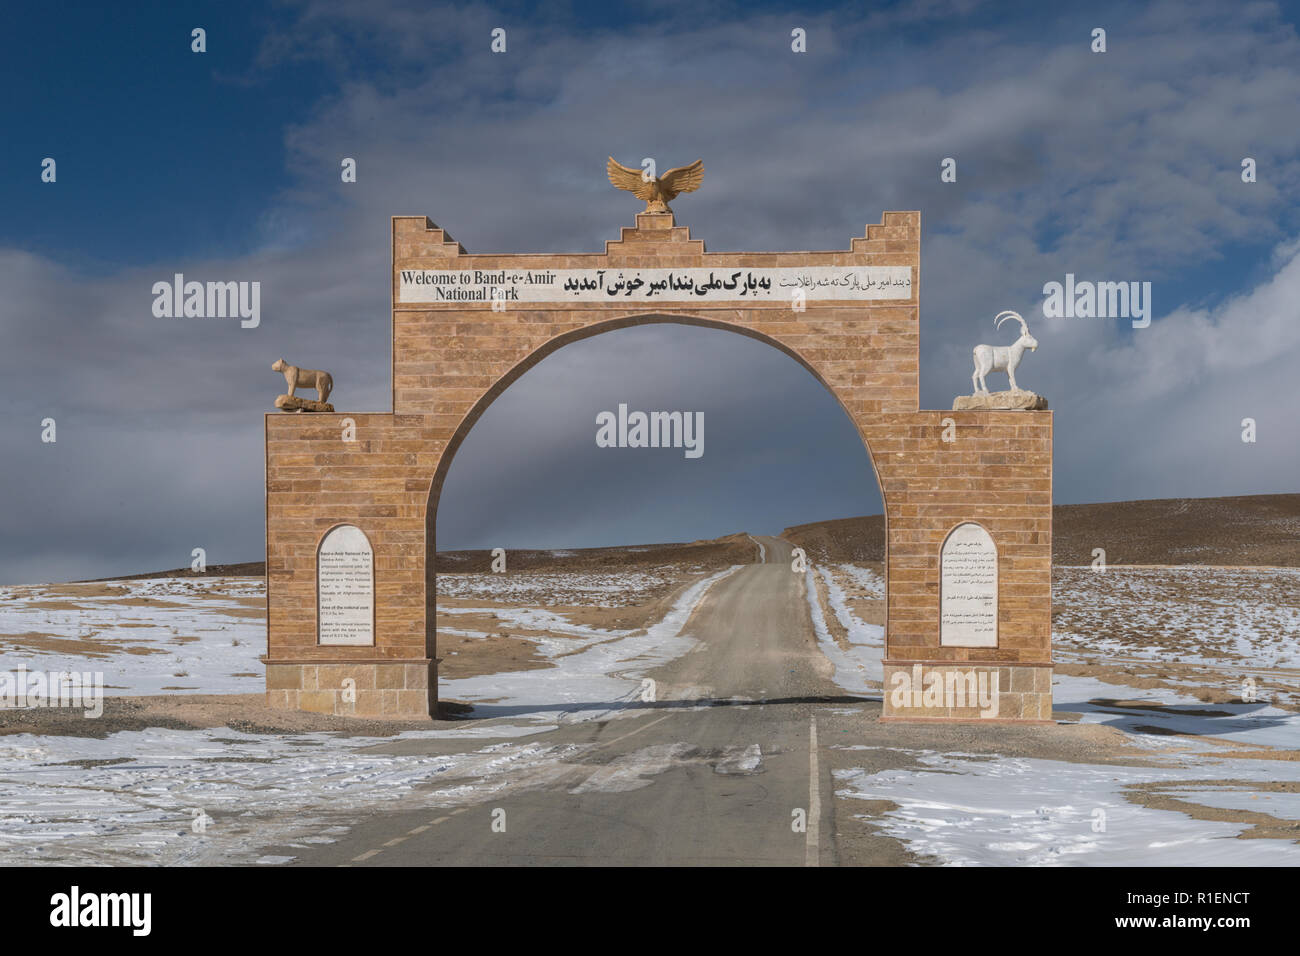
(345, 587)
(968, 588)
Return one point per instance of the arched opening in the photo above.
(495, 479)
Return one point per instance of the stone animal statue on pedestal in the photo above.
(296, 377)
(1002, 358)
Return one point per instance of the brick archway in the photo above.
(533, 359)
(466, 326)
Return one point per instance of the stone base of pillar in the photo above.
(968, 692)
(400, 689)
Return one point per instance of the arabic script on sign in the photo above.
(854, 283)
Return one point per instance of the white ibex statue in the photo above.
(1002, 358)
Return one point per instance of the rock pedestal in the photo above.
(1001, 401)
(292, 403)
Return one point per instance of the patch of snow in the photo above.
(591, 684)
(857, 669)
(192, 635)
(1257, 724)
(1032, 812)
(132, 797)
(866, 579)
(570, 588)
(1211, 616)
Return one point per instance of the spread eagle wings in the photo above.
(630, 179)
(682, 179)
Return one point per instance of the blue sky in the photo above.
(163, 151)
(151, 139)
(1123, 165)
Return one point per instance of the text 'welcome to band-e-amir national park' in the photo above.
(853, 283)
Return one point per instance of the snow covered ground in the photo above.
(1100, 702)
(134, 796)
(858, 666)
(595, 673)
(206, 635)
(150, 636)
(208, 796)
(864, 579)
(1193, 615)
(139, 797)
(969, 809)
(562, 588)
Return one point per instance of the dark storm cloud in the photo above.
(530, 473)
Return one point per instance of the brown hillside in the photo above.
(716, 553)
(845, 539)
(1252, 530)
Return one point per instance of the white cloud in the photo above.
(1124, 165)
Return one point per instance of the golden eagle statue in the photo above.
(657, 193)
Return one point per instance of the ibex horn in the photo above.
(1008, 314)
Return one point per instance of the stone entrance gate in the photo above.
(352, 498)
